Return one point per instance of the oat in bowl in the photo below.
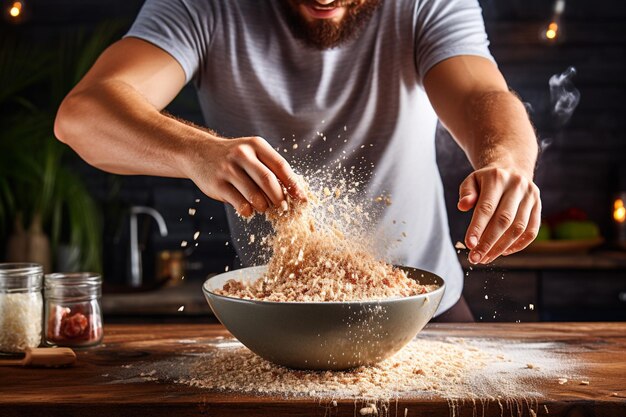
(323, 301)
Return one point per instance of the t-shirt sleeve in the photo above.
(179, 27)
(447, 28)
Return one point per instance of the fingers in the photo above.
(506, 216)
(529, 234)
(279, 166)
(513, 233)
(501, 220)
(266, 180)
(233, 197)
(486, 205)
(468, 193)
(249, 189)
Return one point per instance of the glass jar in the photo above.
(21, 306)
(73, 316)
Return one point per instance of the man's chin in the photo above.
(335, 29)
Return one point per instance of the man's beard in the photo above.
(325, 34)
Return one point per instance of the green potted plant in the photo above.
(44, 205)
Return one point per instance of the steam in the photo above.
(564, 96)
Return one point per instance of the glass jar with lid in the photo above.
(21, 306)
(72, 309)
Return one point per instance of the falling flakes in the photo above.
(192, 211)
(183, 244)
(345, 128)
(252, 238)
(295, 146)
(196, 235)
(486, 297)
(181, 308)
(226, 244)
(182, 277)
(197, 200)
(460, 245)
(531, 306)
(226, 268)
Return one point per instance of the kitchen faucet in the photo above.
(136, 266)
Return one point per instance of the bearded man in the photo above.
(367, 78)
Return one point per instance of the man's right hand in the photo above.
(113, 119)
(245, 172)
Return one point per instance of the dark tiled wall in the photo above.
(581, 160)
(576, 168)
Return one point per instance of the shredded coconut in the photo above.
(432, 366)
(319, 254)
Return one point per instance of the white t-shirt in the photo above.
(254, 78)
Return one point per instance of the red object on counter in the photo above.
(73, 327)
(572, 213)
(73, 314)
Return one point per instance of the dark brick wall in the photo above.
(576, 169)
(580, 163)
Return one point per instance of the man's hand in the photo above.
(507, 212)
(490, 124)
(113, 120)
(244, 172)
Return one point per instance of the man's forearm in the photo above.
(496, 131)
(114, 128)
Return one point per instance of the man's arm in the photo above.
(490, 124)
(113, 120)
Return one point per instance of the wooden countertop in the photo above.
(596, 260)
(163, 301)
(86, 389)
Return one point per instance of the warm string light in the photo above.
(619, 211)
(551, 32)
(15, 10)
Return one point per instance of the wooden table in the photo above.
(84, 389)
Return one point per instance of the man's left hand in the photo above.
(507, 212)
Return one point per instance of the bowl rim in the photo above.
(436, 291)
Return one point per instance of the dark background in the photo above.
(580, 166)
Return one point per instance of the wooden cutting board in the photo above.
(87, 388)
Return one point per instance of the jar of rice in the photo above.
(21, 306)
